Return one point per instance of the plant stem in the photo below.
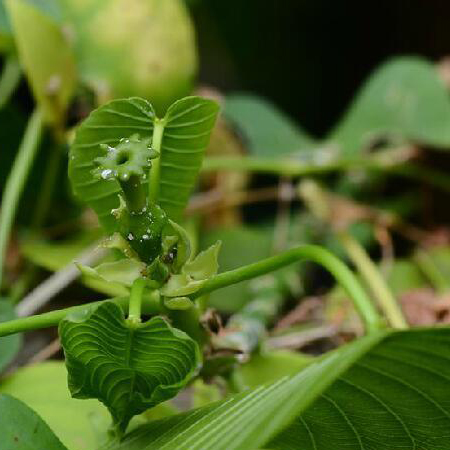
(134, 308)
(151, 305)
(16, 180)
(153, 182)
(134, 193)
(9, 80)
(294, 168)
(374, 280)
(337, 268)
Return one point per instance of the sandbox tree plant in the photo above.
(386, 390)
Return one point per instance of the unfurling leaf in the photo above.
(128, 368)
(194, 273)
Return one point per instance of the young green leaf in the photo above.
(21, 428)
(403, 99)
(181, 139)
(387, 391)
(45, 55)
(9, 345)
(129, 368)
(194, 273)
(187, 128)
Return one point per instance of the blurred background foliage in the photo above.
(335, 130)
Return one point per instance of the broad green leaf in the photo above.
(80, 424)
(21, 428)
(187, 129)
(45, 56)
(128, 368)
(395, 397)
(404, 99)
(9, 345)
(388, 391)
(248, 420)
(266, 130)
(134, 47)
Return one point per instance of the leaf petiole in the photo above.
(134, 307)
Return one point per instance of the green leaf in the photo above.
(395, 397)
(187, 129)
(124, 271)
(45, 55)
(129, 369)
(248, 420)
(21, 428)
(194, 273)
(387, 391)
(403, 99)
(9, 345)
(80, 424)
(266, 130)
(205, 264)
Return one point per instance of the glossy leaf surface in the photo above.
(21, 428)
(387, 391)
(129, 369)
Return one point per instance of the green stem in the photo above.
(286, 167)
(16, 180)
(134, 310)
(153, 182)
(134, 193)
(374, 280)
(294, 168)
(9, 79)
(314, 253)
(151, 305)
